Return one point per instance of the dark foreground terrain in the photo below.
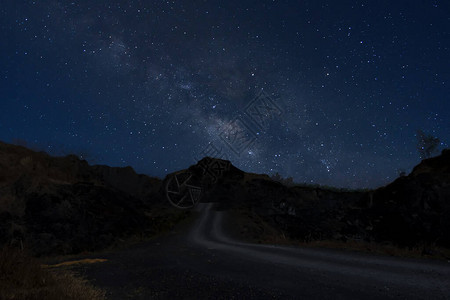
(199, 261)
(64, 206)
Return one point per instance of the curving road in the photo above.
(203, 262)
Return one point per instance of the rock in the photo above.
(416, 208)
(412, 210)
(62, 205)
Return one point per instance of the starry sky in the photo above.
(327, 92)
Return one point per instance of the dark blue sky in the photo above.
(157, 84)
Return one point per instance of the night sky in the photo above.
(328, 92)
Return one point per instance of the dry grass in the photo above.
(76, 262)
(250, 227)
(22, 277)
(418, 251)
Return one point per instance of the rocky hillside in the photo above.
(412, 210)
(64, 205)
(414, 207)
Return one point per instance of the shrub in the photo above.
(22, 277)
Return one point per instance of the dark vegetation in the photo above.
(62, 205)
(22, 277)
(413, 212)
(427, 144)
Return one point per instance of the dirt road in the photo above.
(202, 262)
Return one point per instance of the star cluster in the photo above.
(158, 84)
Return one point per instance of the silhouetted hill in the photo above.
(412, 210)
(415, 208)
(64, 205)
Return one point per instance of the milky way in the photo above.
(328, 92)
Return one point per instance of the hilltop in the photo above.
(412, 211)
(63, 205)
